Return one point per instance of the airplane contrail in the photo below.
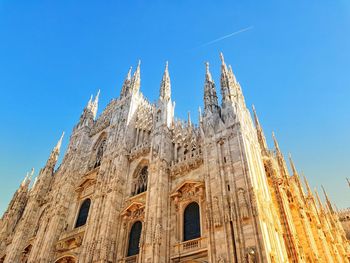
(226, 36)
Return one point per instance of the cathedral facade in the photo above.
(137, 185)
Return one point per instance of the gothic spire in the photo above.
(260, 132)
(210, 97)
(307, 185)
(320, 206)
(189, 123)
(275, 142)
(328, 202)
(280, 158)
(136, 79)
(231, 75)
(292, 164)
(51, 162)
(126, 85)
(227, 90)
(165, 86)
(94, 105)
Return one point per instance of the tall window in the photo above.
(140, 183)
(134, 239)
(192, 227)
(83, 213)
(99, 153)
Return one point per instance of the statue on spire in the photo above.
(165, 86)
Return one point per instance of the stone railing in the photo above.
(139, 150)
(187, 162)
(191, 245)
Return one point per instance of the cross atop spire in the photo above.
(165, 86)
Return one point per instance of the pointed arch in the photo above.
(191, 226)
(140, 178)
(98, 150)
(66, 259)
(134, 239)
(83, 213)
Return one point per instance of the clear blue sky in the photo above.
(294, 65)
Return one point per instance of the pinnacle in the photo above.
(128, 76)
(222, 58)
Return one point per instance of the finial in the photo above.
(189, 118)
(347, 179)
(166, 65)
(200, 114)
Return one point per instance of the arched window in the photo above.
(134, 239)
(99, 153)
(192, 226)
(140, 182)
(83, 213)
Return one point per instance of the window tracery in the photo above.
(99, 153)
(140, 182)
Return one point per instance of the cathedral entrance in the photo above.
(66, 259)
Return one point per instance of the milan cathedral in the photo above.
(137, 185)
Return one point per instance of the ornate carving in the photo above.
(216, 212)
(243, 205)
